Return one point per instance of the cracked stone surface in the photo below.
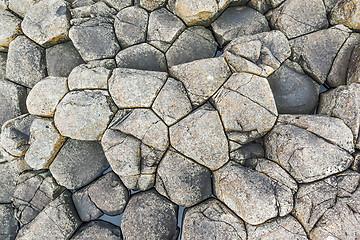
(97, 230)
(347, 13)
(354, 67)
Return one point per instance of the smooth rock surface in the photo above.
(86, 208)
(86, 76)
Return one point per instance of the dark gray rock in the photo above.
(247, 152)
(8, 223)
(85, 207)
(9, 175)
(97, 230)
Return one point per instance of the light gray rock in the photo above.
(200, 136)
(148, 215)
(9, 175)
(353, 73)
(263, 6)
(151, 5)
(10, 28)
(21, 7)
(85, 207)
(97, 230)
(8, 223)
(118, 5)
(4, 4)
(330, 4)
(347, 13)
(87, 77)
(106, 63)
(26, 63)
(99, 9)
(78, 163)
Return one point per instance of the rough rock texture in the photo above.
(97, 230)
(242, 153)
(346, 12)
(8, 223)
(353, 74)
(9, 175)
(9, 28)
(21, 7)
(151, 5)
(148, 215)
(85, 207)
(264, 5)
(87, 77)
(78, 163)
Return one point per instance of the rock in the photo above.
(46, 95)
(10, 28)
(212, 220)
(353, 74)
(263, 6)
(301, 145)
(4, 4)
(294, 91)
(99, 9)
(148, 215)
(88, 77)
(45, 142)
(296, 18)
(200, 136)
(130, 26)
(26, 62)
(85, 207)
(58, 220)
(259, 54)
(106, 63)
(246, 152)
(315, 52)
(329, 5)
(61, 59)
(21, 7)
(172, 102)
(281, 229)
(47, 23)
(118, 5)
(202, 78)
(8, 223)
(94, 40)
(142, 57)
(238, 21)
(78, 163)
(134, 145)
(183, 181)
(246, 106)
(163, 28)
(193, 44)
(97, 230)
(9, 175)
(347, 13)
(131, 88)
(151, 5)
(34, 191)
(84, 115)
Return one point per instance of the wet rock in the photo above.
(183, 181)
(130, 26)
(347, 13)
(246, 106)
(238, 21)
(130, 88)
(148, 215)
(46, 95)
(142, 57)
(202, 78)
(61, 59)
(10, 28)
(263, 6)
(26, 62)
(78, 163)
(212, 220)
(193, 44)
(21, 7)
(8, 223)
(84, 115)
(9, 175)
(58, 220)
(97, 230)
(301, 145)
(151, 5)
(86, 76)
(353, 74)
(200, 136)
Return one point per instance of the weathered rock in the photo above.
(212, 220)
(106, 63)
(347, 13)
(202, 78)
(241, 154)
(238, 21)
(130, 26)
(21, 7)
(246, 106)
(330, 4)
(26, 62)
(263, 6)
(87, 77)
(78, 163)
(200, 136)
(58, 220)
(84, 115)
(9, 175)
(10, 28)
(85, 207)
(142, 57)
(118, 5)
(301, 145)
(34, 191)
(183, 181)
(46, 95)
(8, 223)
(353, 74)
(4, 4)
(61, 59)
(193, 44)
(151, 5)
(99, 9)
(163, 29)
(172, 102)
(131, 88)
(97, 230)
(148, 215)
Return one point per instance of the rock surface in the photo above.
(347, 13)
(9, 175)
(86, 76)
(97, 230)
(8, 223)
(9, 28)
(354, 67)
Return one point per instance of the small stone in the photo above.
(46, 95)
(347, 13)
(97, 230)
(148, 215)
(353, 74)
(78, 163)
(85, 207)
(21, 7)
(263, 6)
(87, 77)
(151, 5)
(9, 175)
(8, 223)
(10, 28)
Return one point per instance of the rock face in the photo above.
(97, 230)
(212, 220)
(264, 5)
(21, 7)
(86, 76)
(9, 28)
(354, 67)
(151, 5)
(149, 216)
(347, 13)
(9, 175)
(8, 223)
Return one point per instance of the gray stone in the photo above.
(61, 59)
(353, 74)
(246, 106)
(263, 6)
(97, 230)
(193, 44)
(58, 220)
(86, 76)
(118, 5)
(212, 220)
(10, 28)
(106, 63)
(130, 26)
(26, 63)
(347, 13)
(8, 223)
(142, 57)
(8, 179)
(78, 163)
(183, 181)
(21, 7)
(84, 115)
(330, 4)
(85, 207)
(151, 5)
(131, 88)
(200, 136)
(202, 78)
(150, 216)
(99, 9)
(238, 21)
(246, 152)
(4, 4)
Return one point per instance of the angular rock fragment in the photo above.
(264, 5)
(97, 230)
(118, 5)
(151, 5)
(8, 179)
(8, 223)
(347, 13)
(353, 74)
(10, 28)
(85, 207)
(87, 77)
(21, 7)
